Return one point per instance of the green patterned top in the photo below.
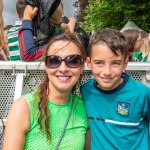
(13, 42)
(74, 137)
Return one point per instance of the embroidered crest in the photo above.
(123, 108)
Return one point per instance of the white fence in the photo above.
(18, 78)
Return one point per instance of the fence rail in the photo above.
(18, 78)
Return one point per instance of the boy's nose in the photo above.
(107, 70)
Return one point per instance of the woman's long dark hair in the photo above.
(44, 90)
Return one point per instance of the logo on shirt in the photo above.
(123, 108)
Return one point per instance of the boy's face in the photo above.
(106, 66)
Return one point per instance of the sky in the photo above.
(9, 12)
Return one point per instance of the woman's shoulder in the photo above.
(20, 105)
(19, 112)
(32, 99)
(30, 96)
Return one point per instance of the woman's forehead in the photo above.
(60, 46)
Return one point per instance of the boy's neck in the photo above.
(123, 80)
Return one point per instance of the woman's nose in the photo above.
(63, 66)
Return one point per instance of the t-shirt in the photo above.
(13, 42)
(137, 56)
(119, 119)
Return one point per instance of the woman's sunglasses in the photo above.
(72, 61)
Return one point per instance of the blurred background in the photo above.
(9, 11)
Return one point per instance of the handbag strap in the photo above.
(64, 128)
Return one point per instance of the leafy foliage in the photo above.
(80, 5)
(115, 13)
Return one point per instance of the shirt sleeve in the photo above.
(29, 51)
(146, 106)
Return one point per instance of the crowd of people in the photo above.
(23, 43)
(113, 111)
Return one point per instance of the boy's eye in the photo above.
(99, 62)
(117, 63)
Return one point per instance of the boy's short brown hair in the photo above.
(114, 39)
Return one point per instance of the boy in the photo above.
(118, 107)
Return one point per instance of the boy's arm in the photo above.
(87, 139)
(29, 51)
(146, 106)
(146, 111)
(71, 24)
(148, 116)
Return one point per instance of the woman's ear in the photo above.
(45, 67)
(88, 62)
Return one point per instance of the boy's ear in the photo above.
(126, 63)
(88, 62)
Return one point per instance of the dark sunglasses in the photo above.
(72, 61)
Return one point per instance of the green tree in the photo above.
(80, 5)
(115, 13)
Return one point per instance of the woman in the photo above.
(37, 120)
(134, 41)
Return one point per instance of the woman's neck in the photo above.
(59, 95)
(59, 98)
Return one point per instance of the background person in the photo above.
(141, 56)
(29, 50)
(134, 42)
(3, 43)
(12, 34)
(145, 49)
(149, 36)
(75, 27)
(57, 21)
(39, 117)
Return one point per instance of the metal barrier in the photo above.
(18, 78)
